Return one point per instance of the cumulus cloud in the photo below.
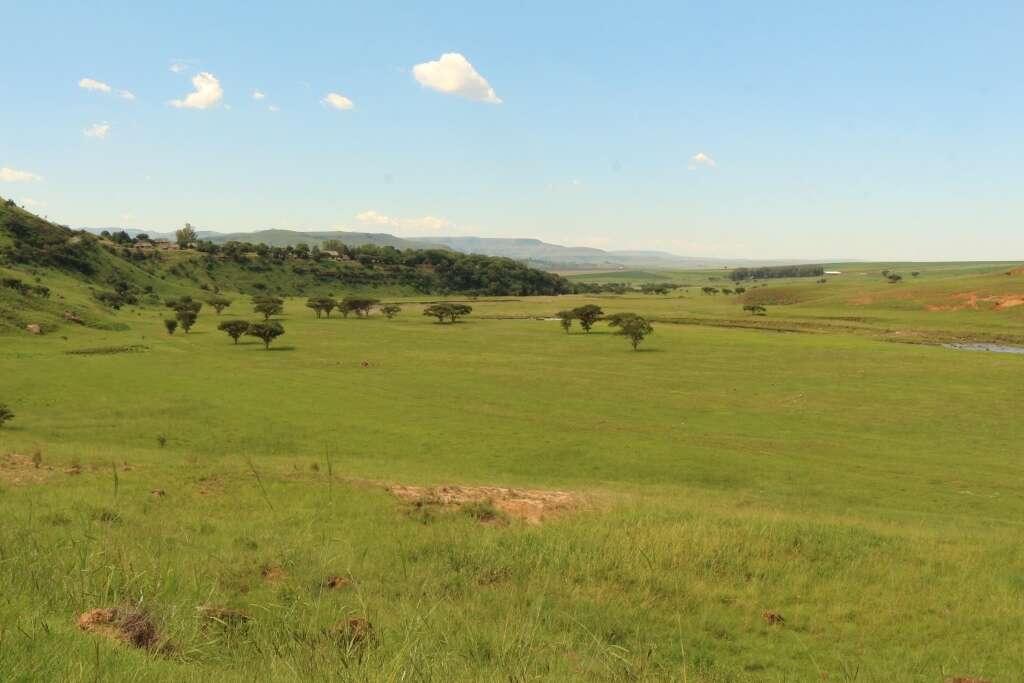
(454, 75)
(124, 94)
(207, 94)
(13, 175)
(427, 223)
(98, 130)
(257, 95)
(337, 101)
(93, 84)
(701, 159)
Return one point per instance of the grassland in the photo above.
(799, 463)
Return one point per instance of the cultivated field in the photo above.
(820, 493)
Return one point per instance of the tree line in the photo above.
(772, 272)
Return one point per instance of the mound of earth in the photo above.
(121, 624)
(533, 506)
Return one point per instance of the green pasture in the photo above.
(801, 462)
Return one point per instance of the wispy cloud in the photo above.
(337, 101)
(98, 130)
(453, 74)
(100, 86)
(207, 93)
(13, 175)
(257, 95)
(424, 223)
(93, 84)
(701, 159)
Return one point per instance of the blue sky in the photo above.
(865, 130)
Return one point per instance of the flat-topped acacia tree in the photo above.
(587, 315)
(267, 306)
(234, 328)
(219, 303)
(632, 326)
(447, 310)
(266, 331)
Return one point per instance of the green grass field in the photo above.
(801, 463)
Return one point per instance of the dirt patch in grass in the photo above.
(16, 468)
(121, 624)
(971, 300)
(335, 582)
(532, 506)
(272, 573)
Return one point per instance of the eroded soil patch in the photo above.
(532, 506)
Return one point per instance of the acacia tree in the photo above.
(187, 318)
(267, 305)
(391, 310)
(219, 303)
(565, 318)
(234, 328)
(266, 331)
(171, 324)
(447, 310)
(5, 414)
(316, 305)
(634, 327)
(587, 315)
(439, 311)
(361, 305)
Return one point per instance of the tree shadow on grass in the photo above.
(281, 348)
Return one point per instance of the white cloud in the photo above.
(257, 95)
(454, 75)
(273, 107)
(92, 84)
(28, 201)
(100, 86)
(337, 101)
(701, 159)
(425, 223)
(11, 175)
(208, 93)
(178, 67)
(98, 130)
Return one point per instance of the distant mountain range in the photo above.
(532, 251)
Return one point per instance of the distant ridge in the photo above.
(533, 252)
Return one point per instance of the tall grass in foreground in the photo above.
(658, 587)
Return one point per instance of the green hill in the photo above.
(52, 272)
